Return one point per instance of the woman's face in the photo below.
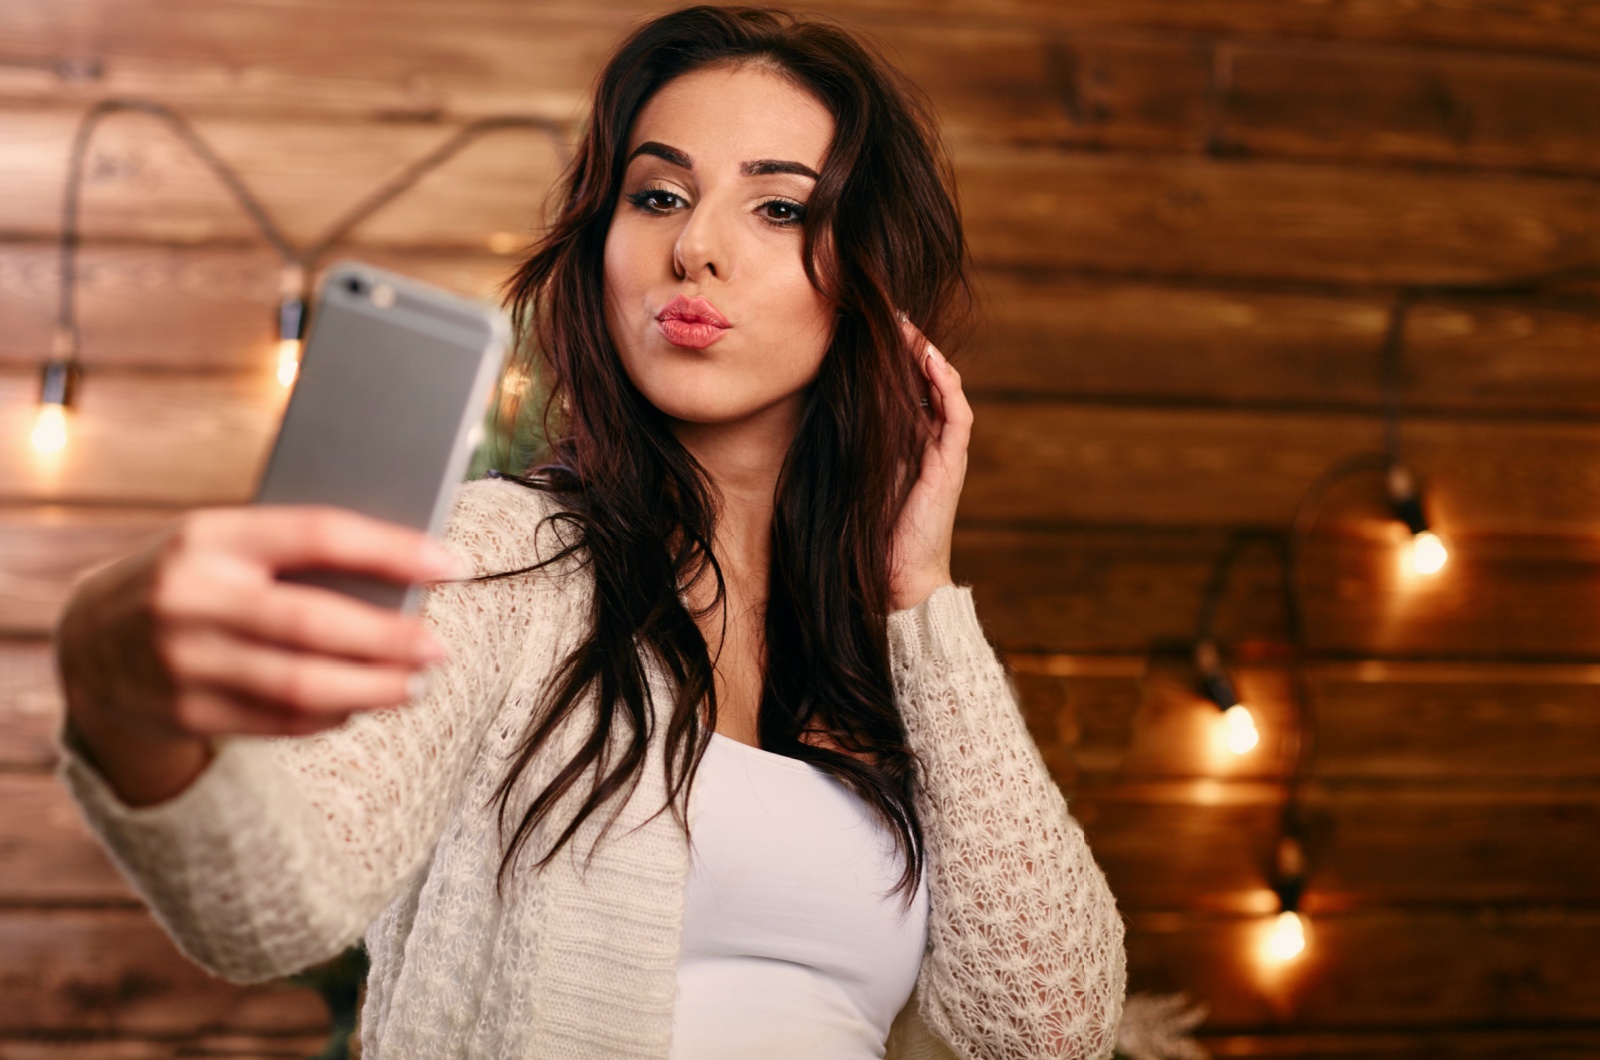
(707, 300)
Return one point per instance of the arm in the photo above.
(1025, 953)
(281, 850)
(1025, 944)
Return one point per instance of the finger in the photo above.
(956, 429)
(297, 537)
(919, 346)
(221, 589)
(284, 680)
(213, 712)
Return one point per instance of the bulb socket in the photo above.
(292, 318)
(59, 383)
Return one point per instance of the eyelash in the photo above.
(642, 198)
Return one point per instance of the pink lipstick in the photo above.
(691, 322)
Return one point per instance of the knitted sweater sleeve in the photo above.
(1025, 946)
(279, 854)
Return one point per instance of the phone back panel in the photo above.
(393, 385)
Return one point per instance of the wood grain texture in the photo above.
(200, 1046)
(1122, 591)
(1379, 971)
(1204, 467)
(1183, 216)
(1410, 105)
(212, 308)
(47, 855)
(30, 705)
(1037, 207)
(114, 970)
(144, 440)
(1478, 1043)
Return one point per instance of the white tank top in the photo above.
(793, 946)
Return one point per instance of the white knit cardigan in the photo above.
(286, 851)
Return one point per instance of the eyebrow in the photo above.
(760, 167)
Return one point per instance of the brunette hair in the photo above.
(639, 510)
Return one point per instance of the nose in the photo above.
(700, 249)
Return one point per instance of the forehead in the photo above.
(722, 116)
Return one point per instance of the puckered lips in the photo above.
(691, 322)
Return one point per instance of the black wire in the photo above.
(66, 311)
(408, 177)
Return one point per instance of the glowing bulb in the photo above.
(1288, 938)
(1239, 729)
(50, 429)
(288, 360)
(1428, 554)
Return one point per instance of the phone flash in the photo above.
(382, 295)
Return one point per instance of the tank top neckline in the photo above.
(770, 756)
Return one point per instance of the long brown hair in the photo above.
(640, 511)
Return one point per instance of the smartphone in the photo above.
(387, 407)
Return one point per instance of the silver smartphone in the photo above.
(388, 404)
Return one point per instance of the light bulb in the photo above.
(50, 429)
(288, 360)
(1288, 938)
(1239, 729)
(1428, 554)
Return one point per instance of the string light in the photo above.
(291, 322)
(62, 372)
(58, 386)
(1239, 732)
(1426, 553)
(1287, 938)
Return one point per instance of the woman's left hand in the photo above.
(920, 557)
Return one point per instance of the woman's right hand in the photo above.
(195, 637)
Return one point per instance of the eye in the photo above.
(656, 200)
(782, 213)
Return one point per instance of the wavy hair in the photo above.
(640, 512)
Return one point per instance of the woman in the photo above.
(700, 753)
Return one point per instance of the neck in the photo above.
(743, 461)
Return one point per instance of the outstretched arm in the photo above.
(278, 851)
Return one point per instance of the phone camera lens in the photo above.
(354, 285)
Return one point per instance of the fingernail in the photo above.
(935, 356)
(417, 686)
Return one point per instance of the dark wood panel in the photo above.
(30, 705)
(1408, 105)
(143, 184)
(47, 854)
(1067, 336)
(1185, 216)
(1389, 971)
(46, 30)
(196, 1047)
(1208, 844)
(209, 308)
(1006, 81)
(1035, 207)
(1201, 467)
(1124, 719)
(1480, 1043)
(46, 548)
(176, 440)
(114, 970)
(1111, 591)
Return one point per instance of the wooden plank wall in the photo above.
(1191, 217)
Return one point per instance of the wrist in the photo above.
(912, 592)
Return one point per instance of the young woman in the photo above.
(695, 751)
